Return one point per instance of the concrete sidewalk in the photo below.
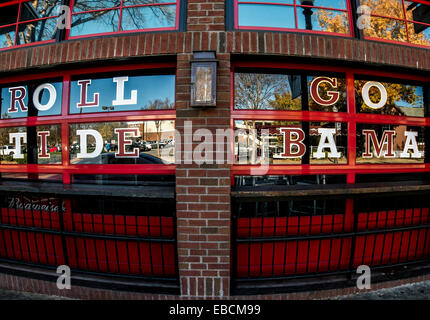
(13, 295)
(415, 291)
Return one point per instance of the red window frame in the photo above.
(17, 23)
(351, 117)
(296, 29)
(67, 34)
(66, 169)
(120, 8)
(406, 21)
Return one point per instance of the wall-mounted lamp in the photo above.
(203, 79)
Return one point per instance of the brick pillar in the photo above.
(206, 15)
(203, 193)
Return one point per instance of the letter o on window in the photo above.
(366, 97)
(52, 97)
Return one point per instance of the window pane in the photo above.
(386, 8)
(259, 91)
(270, 1)
(252, 147)
(327, 94)
(400, 99)
(150, 17)
(288, 180)
(322, 20)
(335, 4)
(148, 92)
(7, 37)
(32, 10)
(386, 29)
(417, 12)
(18, 99)
(36, 31)
(85, 5)
(30, 145)
(390, 144)
(140, 2)
(95, 22)
(266, 16)
(9, 14)
(130, 180)
(419, 34)
(143, 142)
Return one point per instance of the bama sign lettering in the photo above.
(375, 147)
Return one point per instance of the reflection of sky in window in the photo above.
(88, 23)
(149, 89)
(335, 4)
(85, 5)
(266, 16)
(4, 41)
(37, 31)
(55, 110)
(148, 17)
(417, 104)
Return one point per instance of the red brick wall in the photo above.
(206, 15)
(203, 194)
(256, 43)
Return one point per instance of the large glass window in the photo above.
(94, 17)
(311, 16)
(264, 91)
(325, 122)
(25, 22)
(54, 129)
(399, 20)
(122, 92)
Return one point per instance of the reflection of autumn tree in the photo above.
(392, 29)
(284, 101)
(107, 131)
(396, 93)
(40, 30)
(255, 90)
(331, 21)
(258, 91)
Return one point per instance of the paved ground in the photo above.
(12, 295)
(418, 291)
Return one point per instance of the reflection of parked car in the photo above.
(7, 150)
(145, 146)
(153, 144)
(52, 149)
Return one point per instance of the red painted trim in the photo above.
(296, 6)
(319, 67)
(120, 8)
(403, 43)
